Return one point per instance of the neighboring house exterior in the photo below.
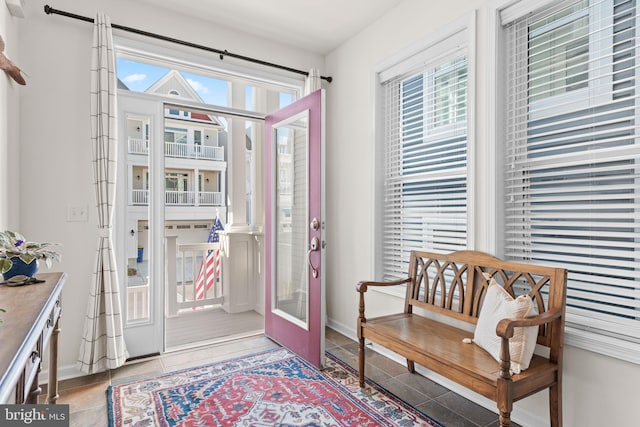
(195, 167)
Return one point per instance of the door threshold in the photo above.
(214, 341)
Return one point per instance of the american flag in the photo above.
(210, 267)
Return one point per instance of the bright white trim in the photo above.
(579, 338)
(169, 101)
(180, 59)
(377, 163)
(511, 10)
(472, 159)
(602, 344)
(449, 41)
(466, 24)
(460, 25)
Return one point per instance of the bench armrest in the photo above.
(505, 327)
(362, 286)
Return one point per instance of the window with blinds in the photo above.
(425, 162)
(572, 166)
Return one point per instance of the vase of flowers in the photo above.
(20, 257)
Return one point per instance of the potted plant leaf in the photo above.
(19, 257)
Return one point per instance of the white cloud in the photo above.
(197, 86)
(133, 78)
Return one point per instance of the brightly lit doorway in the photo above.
(189, 168)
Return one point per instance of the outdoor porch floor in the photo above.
(197, 327)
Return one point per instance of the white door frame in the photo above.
(144, 337)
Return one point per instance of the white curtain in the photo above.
(312, 82)
(103, 345)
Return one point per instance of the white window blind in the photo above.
(425, 182)
(572, 175)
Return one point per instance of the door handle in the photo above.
(314, 246)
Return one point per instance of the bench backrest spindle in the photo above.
(456, 284)
(444, 299)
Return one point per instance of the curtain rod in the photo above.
(49, 10)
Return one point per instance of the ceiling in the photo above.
(317, 26)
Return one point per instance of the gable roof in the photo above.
(174, 82)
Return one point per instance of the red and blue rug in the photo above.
(273, 388)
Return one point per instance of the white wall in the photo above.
(54, 127)
(55, 169)
(9, 125)
(598, 391)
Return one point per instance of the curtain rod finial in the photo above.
(47, 9)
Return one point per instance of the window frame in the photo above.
(597, 42)
(458, 36)
(500, 13)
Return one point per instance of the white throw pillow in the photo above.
(498, 305)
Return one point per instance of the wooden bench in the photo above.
(444, 296)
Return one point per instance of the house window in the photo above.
(572, 160)
(176, 135)
(175, 181)
(558, 53)
(425, 186)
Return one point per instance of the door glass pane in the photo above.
(291, 228)
(138, 292)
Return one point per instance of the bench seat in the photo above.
(439, 347)
(447, 290)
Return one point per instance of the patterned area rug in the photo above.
(273, 388)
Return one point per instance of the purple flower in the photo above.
(19, 243)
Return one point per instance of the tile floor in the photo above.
(88, 404)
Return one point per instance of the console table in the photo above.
(29, 325)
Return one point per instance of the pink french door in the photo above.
(294, 228)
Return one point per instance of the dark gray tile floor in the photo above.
(88, 405)
(440, 403)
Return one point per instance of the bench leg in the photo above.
(555, 405)
(361, 361)
(505, 419)
(411, 366)
(503, 399)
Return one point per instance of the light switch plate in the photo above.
(76, 213)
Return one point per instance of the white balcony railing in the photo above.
(208, 152)
(180, 198)
(139, 197)
(180, 150)
(184, 291)
(138, 302)
(138, 146)
(210, 198)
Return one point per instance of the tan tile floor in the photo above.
(87, 401)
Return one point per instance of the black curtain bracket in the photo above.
(222, 53)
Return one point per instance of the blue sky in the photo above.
(139, 76)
